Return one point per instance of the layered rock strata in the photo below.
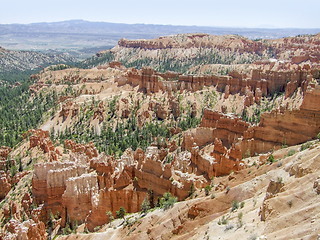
(261, 82)
(49, 184)
(68, 189)
(276, 128)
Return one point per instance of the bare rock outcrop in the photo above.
(68, 188)
(49, 184)
(220, 162)
(174, 107)
(262, 82)
(316, 186)
(276, 127)
(291, 126)
(87, 149)
(4, 152)
(142, 117)
(161, 111)
(41, 138)
(99, 112)
(29, 230)
(5, 184)
(66, 109)
(79, 195)
(274, 188)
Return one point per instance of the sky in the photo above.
(222, 13)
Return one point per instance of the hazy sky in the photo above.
(230, 13)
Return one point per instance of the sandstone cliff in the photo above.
(276, 128)
(66, 187)
(261, 82)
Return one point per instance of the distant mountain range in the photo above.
(86, 27)
(82, 39)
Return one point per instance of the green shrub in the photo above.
(247, 154)
(305, 146)
(109, 214)
(240, 223)
(192, 190)
(145, 206)
(207, 190)
(235, 205)
(167, 201)
(223, 221)
(271, 159)
(120, 214)
(291, 152)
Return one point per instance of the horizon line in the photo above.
(158, 24)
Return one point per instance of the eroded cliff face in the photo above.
(86, 192)
(49, 184)
(298, 49)
(276, 128)
(264, 80)
(229, 42)
(40, 138)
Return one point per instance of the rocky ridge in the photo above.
(190, 53)
(29, 60)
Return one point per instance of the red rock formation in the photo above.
(112, 201)
(5, 184)
(68, 189)
(261, 82)
(115, 64)
(30, 229)
(4, 152)
(174, 107)
(220, 162)
(125, 112)
(41, 138)
(226, 92)
(172, 146)
(88, 149)
(194, 110)
(248, 101)
(18, 176)
(49, 183)
(289, 127)
(26, 203)
(228, 127)
(78, 196)
(275, 128)
(161, 111)
(273, 188)
(201, 136)
(226, 160)
(99, 112)
(149, 81)
(257, 95)
(142, 117)
(66, 109)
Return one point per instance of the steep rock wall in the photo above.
(260, 82)
(290, 127)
